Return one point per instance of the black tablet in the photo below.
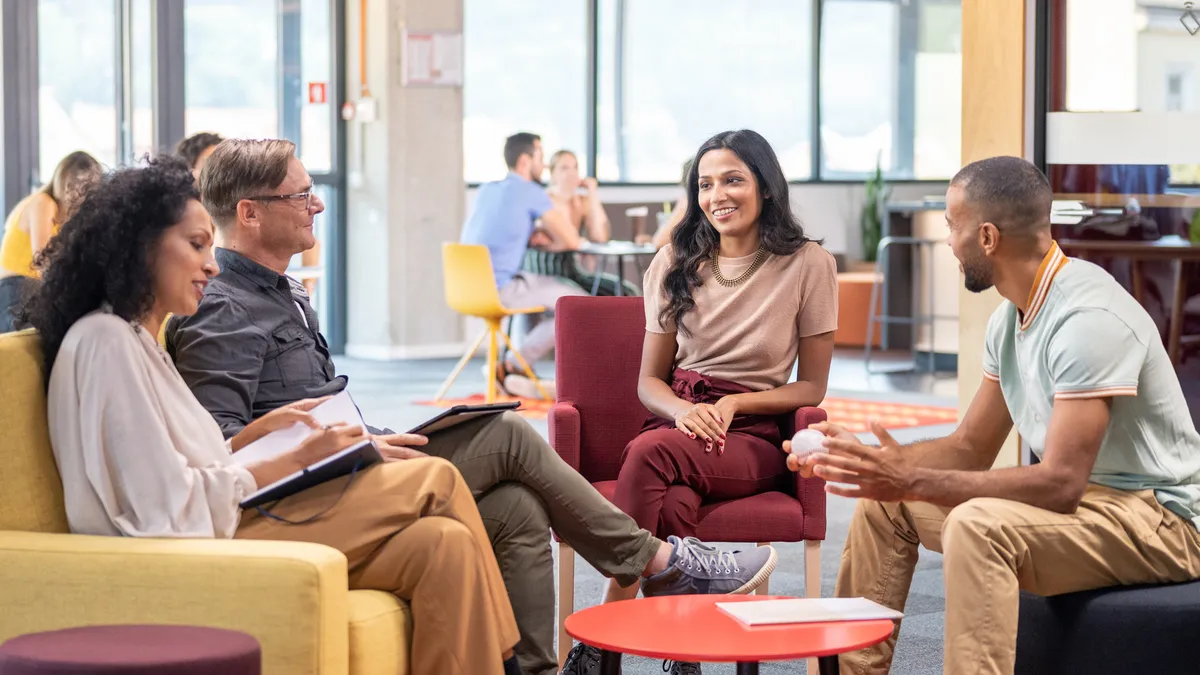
(460, 414)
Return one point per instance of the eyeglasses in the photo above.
(307, 196)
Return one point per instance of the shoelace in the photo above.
(706, 558)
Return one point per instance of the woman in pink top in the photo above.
(739, 297)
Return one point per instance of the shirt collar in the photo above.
(236, 262)
(1051, 264)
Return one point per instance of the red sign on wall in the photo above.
(316, 92)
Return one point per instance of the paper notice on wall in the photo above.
(431, 59)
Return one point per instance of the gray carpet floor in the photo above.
(386, 393)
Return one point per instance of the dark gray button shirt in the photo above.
(253, 345)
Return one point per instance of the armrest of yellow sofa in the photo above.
(292, 596)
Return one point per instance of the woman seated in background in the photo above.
(195, 150)
(31, 224)
(139, 456)
(584, 211)
(739, 297)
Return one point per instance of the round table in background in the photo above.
(692, 628)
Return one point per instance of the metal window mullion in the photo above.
(167, 67)
(592, 30)
(290, 57)
(20, 56)
(815, 110)
(335, 273)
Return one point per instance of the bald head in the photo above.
(1008, 192)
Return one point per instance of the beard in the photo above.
(978, 274)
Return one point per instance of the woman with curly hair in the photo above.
(739, 297)
(31, 224)
(139, 456)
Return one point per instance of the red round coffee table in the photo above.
(692, 628)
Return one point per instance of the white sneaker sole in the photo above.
(758, 579)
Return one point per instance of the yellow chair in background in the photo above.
(471, 291)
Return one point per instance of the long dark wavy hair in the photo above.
(105, 252)
(694, 238)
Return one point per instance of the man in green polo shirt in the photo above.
(1079, 367)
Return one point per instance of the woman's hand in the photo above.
(708, 421)
(590, 184)
(279, 418)
(329, 439)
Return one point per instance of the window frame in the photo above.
(908, 20)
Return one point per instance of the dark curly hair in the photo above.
(190, 148)
(694, 239)
(105, 252)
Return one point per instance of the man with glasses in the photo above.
(255, 345)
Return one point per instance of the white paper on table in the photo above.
(336, 410)
(806, 610)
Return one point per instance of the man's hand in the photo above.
(540, 239)
(396, 447)
(804, 465)
(884, 474)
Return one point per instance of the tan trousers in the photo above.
(411, 528)
(993, 548)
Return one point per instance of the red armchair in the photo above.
(598, 354)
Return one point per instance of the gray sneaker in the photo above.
(582, 660)
(695, 568)
(681, 668)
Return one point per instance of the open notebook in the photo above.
(806, 610)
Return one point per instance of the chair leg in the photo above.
(566, 598)
(528, 371)
(466, 357)
(493, 328)
(764, 588)
(812, 581)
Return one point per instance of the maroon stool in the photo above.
(132, 650)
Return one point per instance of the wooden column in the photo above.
(994, 110)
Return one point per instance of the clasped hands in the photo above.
(329, 438)
(853, 469)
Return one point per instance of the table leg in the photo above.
(747, 668)
(828, 665)
(620, 275)
(600, 260)
(610, 662)
(1139, 288)
(1175, 329)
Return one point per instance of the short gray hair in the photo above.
(241, 169)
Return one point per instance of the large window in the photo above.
(891, 88)
(77, 88)
(667, 74)
(525, 70)
(674, 72)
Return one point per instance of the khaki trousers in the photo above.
(411, 528)
(523, 489)
(993, 548)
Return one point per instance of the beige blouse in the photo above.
(750, 333)
(138, 455)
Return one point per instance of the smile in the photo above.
(720, 213)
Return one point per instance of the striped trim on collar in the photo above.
(1051, 264)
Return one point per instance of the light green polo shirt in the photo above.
(1084, 336)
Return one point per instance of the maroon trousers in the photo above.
(665, 475)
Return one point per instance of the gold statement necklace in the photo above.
(759, 259)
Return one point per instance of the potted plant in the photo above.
(871, 219)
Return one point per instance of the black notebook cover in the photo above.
(355, 457)
(462, 413)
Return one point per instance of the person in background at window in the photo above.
(509, 214)
(140, 457)
(739, 297)
(196, 148)
(31, 224)
(662, 236)
(585, 212)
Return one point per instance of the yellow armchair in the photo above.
(293, 597)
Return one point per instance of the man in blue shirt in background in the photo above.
(510, 215)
